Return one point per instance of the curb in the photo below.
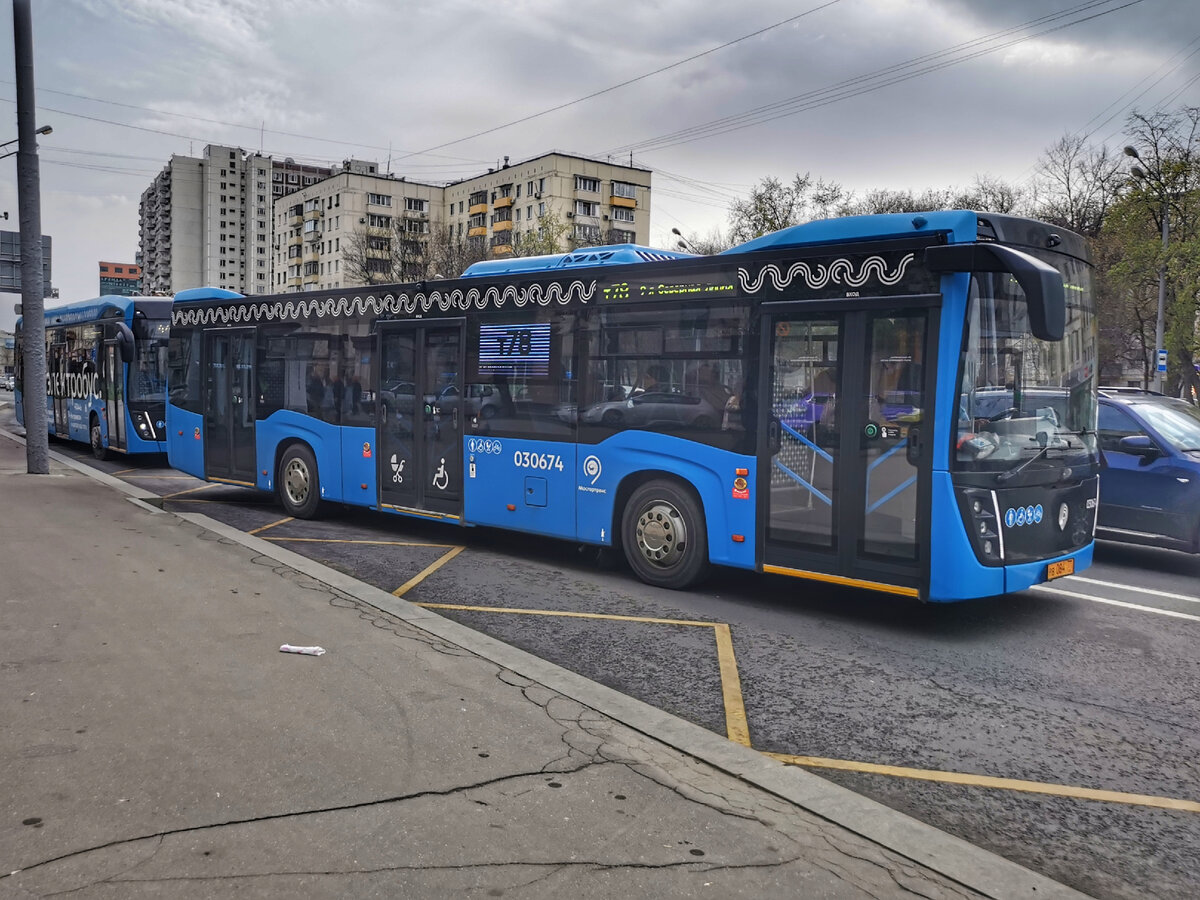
(973, 867)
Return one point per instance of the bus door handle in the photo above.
(912, 452)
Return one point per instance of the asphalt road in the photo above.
(1059, 727)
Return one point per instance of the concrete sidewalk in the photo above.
(156, 742)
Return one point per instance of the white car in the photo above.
(7, 382)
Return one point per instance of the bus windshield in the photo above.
(148, 379)
(1026, 407)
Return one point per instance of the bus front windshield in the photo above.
(1026, 407)
(148, 375)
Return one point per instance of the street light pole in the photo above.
(1162, 268)
(29, 199)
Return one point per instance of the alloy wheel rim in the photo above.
(661, 534)
(296, 482)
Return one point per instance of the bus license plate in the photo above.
(1059, 569)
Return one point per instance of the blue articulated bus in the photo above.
(106, 373)
(901, 403)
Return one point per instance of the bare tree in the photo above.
(773, 205)
(1076, 184)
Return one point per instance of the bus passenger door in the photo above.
(113, 379)
(842, 444)
(229, 406)
(57, 367)
(419, 412)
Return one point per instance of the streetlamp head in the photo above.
(677, 231)
(1137, 172)
(45, 129)
(1132, 151)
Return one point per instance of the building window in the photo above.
(541, 209)
(623, 237)
(624, 189)
(621, 214)
(588, 233)
(412, 204)
(379, 221)
(583, 183)
(586, 208)
(379, 200)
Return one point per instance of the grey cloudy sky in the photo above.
(901, 94)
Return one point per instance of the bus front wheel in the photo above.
(299, 483)
(663, 534)
(97, 440)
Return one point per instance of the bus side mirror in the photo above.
(1043, 286)
(125, 343)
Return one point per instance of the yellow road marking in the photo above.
(429, 570)
(563, 614)
(127, 471)
(203, 487)
(990, 781)
(301, 540)
(272, 525)
(736, 725)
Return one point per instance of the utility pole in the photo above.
(33, 321)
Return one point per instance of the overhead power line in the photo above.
(863, 84)
(627, 82)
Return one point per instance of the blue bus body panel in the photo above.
(537, 478)
(578, 500)
(285, 426)
(358, 466)
(185, 441)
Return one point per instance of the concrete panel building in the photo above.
(122, 279)
(207, 220)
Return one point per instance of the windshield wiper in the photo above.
(1017, 470)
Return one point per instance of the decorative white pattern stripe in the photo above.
(373, 305)
(840, 271)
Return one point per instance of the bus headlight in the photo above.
(984, 521)
(145, 426)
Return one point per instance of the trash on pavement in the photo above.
(307, 651)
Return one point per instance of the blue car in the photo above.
(1150, 485)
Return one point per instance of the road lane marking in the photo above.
(272, 525)
(304, 540)
(202, 487)
(736, 727)
(429, 570)
(991, 781)
(1121, 603)
(1141, 590)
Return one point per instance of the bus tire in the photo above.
(299, 482)
(96, 437)
(664, 536)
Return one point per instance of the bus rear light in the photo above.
(741, 471)
(363, 486)
(738, 538)
(511, 507)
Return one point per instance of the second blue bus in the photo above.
(106, 368)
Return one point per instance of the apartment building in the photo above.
(327, 234)
(207, 220)
(600, 202)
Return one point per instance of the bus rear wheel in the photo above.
(299, 483)
(97, 440)
(664, 537)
